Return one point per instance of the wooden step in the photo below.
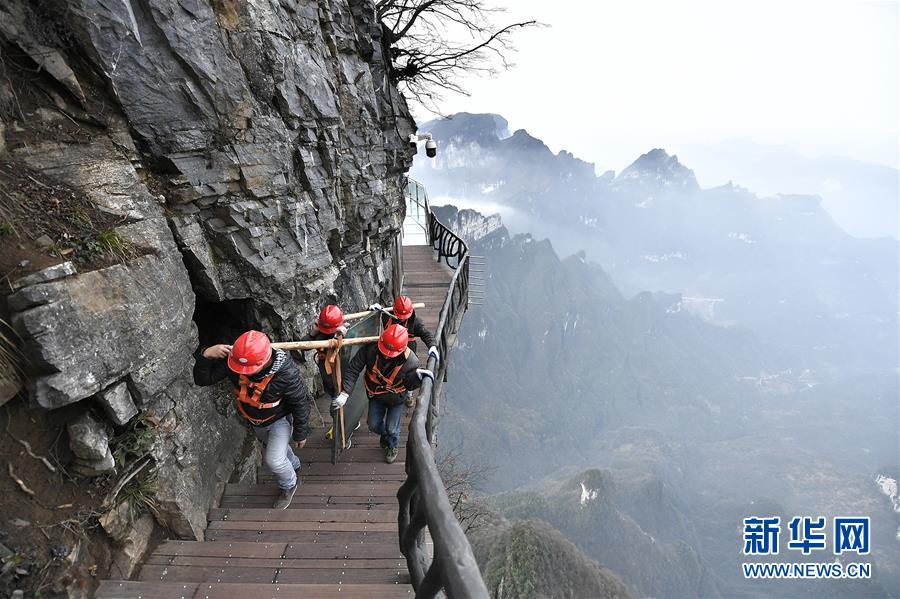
(269, 550)
(123, 589)
(316, 489)
(261, 501)
(308, 564)
(302, 536)
(272, 575)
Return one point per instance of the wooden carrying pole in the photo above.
(357, 315)
(328, 343)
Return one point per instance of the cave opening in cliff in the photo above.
(224, 321)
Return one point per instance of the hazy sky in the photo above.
(610, 80)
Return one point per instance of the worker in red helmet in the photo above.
(391, 372)
(404, 315)
(270, 396)
(329, 325)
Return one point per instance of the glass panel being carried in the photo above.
(355, 408)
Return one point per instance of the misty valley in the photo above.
(652, 362)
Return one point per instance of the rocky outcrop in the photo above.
(655, 171)
(252, 150)
(117, 403)
(469, 224)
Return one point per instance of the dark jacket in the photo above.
(413, 324)
(366, 358)
(285, 384)
(327, 381)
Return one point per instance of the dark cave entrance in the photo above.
(225, 321)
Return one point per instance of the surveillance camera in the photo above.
(431, 148)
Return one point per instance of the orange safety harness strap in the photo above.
(332, 361)
(332, 356)
(384, 384)
(255, 421)
(248, 392)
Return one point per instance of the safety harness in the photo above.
(379, 384)
(248, 392)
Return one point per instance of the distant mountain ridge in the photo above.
(614, 418)
(862, 197)
(778, 265)
(529, 559)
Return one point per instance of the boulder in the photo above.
(95, 467)
(88, 438)
(51, 273)
(131, 537)
(117, 403)
(90, 330)
(116, 521)
(133, 546)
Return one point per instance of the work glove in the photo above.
(376, 308)
(341, 330)
(338, 402)
(423, 372)
(433, 351)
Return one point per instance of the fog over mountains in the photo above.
(861, 197)
(701, 355)
(779, 265)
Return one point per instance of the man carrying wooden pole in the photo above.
(391, 372)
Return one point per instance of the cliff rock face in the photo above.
(252, 150)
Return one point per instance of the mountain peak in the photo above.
(658, 169)
(523, 140)
(482, 128)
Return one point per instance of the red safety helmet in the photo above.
(393, 340)
(250, 353)
(403, 307)
(330, 318)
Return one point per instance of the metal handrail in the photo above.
(423, 498)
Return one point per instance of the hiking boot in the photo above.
(384, 442)
(284, 498)
(390, 455)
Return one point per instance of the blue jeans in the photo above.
(279, 456)
(384, 420)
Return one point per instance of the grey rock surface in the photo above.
(100, 326)
(88, 438)
(51, 273)
(116, 521)
(117, 403)
(256, 150)
(91, 468)
(133, 546)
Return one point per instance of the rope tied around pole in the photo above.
(333, 367)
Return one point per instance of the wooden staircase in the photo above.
(338, 539)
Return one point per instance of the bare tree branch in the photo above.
(460, 482)
(435, 43)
